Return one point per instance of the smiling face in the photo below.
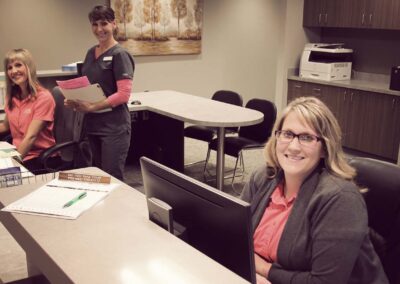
(297, 160)
(17, 72)
(103, 30)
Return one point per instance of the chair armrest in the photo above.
(46, 154)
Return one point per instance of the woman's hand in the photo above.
(262, 266)
(261, 279)
(85, 106)
(70, 104)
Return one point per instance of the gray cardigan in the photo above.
(325, 239)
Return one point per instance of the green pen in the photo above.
(72, 201)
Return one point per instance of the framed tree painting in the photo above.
(159, 27)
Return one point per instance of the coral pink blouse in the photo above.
(24, 111)
(269, 230)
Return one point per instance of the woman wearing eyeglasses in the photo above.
(310, 221)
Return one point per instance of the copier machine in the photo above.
(326, 61)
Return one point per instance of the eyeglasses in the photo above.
(305, 139)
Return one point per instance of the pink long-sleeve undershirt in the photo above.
(123, 93)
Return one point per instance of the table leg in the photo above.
(398, 158)
(220, 158)
(32, 270)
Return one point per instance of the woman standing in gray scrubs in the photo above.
(111, 66)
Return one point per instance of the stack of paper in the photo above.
(6, 163)
(10, 176)
(62, 199)
(8, 150)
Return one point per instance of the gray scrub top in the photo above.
(113, 65)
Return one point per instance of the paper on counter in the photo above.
(5, 145)
(49, 200)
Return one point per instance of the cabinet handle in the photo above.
(351, 97)
(319, 18)
(326, 18)
(393, 103)
(363, 19)
(370, 19)
(297, 86)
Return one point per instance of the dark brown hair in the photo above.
(101, 12)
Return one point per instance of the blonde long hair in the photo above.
(26, 58)
(318, 116)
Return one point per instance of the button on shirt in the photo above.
(270, 228)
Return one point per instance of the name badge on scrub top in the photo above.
(107, 58)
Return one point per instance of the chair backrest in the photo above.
(382, 197)
(67, 124)
(262, 131)
(229, 97)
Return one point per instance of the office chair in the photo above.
(250, 137)
(70, 143)
(207, 134)
(382, 197)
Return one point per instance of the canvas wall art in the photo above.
(159, 27)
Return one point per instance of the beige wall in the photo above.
(243, 44)
(55, 31)
(293, 39)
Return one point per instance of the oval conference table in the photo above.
(168, 110)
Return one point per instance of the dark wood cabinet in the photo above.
(295, 90)
(370, 121)
(321, 13)
(393, 109)
(371, 14)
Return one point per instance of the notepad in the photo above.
(49, 200)
(8, 150)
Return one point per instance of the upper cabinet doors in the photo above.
(371, 14)
(321, 13)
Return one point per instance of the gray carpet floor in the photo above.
(195, 154)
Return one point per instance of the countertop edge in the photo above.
(363, 85)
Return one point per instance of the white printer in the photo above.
(326, 61)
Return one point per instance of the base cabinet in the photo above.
(370, 121)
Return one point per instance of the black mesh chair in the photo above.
(207, 134)
(250, 137)
(70, 143)
(382, 197)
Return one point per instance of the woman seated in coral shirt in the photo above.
(29, 109)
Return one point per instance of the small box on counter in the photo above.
(395, 78)
(72, 67)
